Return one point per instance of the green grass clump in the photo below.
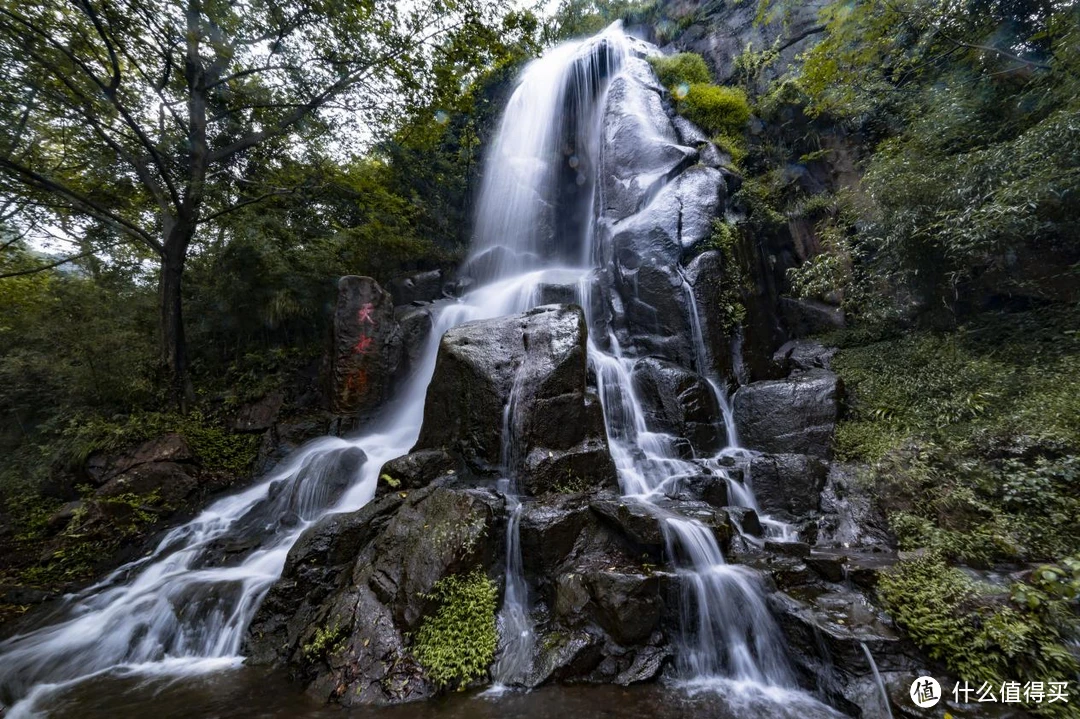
(1000, 380)
(969, 442)
(457, 643)
(715, 109)
(685, 68)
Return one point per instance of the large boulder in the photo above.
(415, 325)
(366, 346)
(675, 221)
(679, 402)
(165, 468)
(101, 467)
(260, 415)
(788, 485)
(526, 374)
(415, 470)
(656, 314)
(421, 287)
(171, 481)
(357, 586)
(795, 415)
(641, 149)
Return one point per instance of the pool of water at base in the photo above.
(247, 693)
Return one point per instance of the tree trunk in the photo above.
(173, 345)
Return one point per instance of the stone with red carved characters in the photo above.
(366, 346)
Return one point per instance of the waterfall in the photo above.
(516, 632)
(185, 607)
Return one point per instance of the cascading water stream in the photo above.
(515, 625)
(186, 606)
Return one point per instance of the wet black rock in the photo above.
(803, 355)
(746, 520)
(788, 485)
(641, 146)
(706, 276)
(421, 287)
(638, 520)
(415, 326)
(850, 518)
(679, 402)
(537, 361)
(415, 470)
(709, 488)
(810, 317)
(357, 584)
(795, 415)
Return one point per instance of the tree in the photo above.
(149, 117)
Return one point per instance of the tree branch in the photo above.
(316, 102)
(110, 94)
(35, 270)
(245, 203)
(34, 179)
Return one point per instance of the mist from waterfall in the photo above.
(185, 607)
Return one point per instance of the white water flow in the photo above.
(878, 680)
(185, 607)
(516, 631)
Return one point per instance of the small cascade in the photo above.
(727, 629)
(517, 636)
(877, 680)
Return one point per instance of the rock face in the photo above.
(681, 403)
(354, 591)
(664, 184)
(722, 34)
(415, 470)
(809, 317)
(415, 324)
(795, 415)
(165, 465)
(366, 346)
(356, 585)
(421, 287)
(788, 486)
(706, 276)
(527, 373)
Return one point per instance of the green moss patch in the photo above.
(457, 643)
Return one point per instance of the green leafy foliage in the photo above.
(970, 438)
(734, 281)
(457, 643)
(326, 640)
(970, 111)
(982, 634)
(684, 68)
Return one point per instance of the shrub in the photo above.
(716, 109)
(686, 67)
(733, 145)
(457, 643)
(983, 634)
(971, 437)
